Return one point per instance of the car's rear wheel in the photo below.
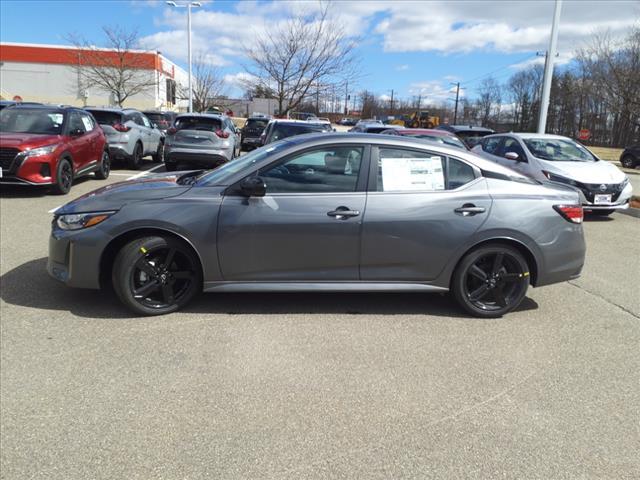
(628, 161)
(64, 177)
(159, 155)
(491, 281)
(136, 157)
(104, 168)
(156, 275)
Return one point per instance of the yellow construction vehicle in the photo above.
(421, 120)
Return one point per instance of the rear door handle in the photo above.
(342, 213)
(469, 210)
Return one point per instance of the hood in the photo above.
(116, 195)
(27, 141)
(587, 172)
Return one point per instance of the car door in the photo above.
(79, 141)
(306, 227)
(491, 149)
(422, 208)
(521, 165)
(93, 136)
(153, 134)
(145, 132)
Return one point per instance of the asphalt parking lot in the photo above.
(297, 386)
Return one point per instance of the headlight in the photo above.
(557, 178)
(37, 152)
(78, 221)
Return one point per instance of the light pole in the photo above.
(548, 69)
(188, 6)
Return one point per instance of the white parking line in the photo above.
(146, 172)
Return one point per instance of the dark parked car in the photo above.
(430, 135)
(163, 120)
(279, 129)
(324, 212)
(250, 133)
(630, 157)
(374, 127)
(469, 134)
(43, 145)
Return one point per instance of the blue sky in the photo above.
(410, 47)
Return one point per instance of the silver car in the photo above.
(130, 134)
(202, 140)
(324, 212)
(603, 187)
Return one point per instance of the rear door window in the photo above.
(492, 145)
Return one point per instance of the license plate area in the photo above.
(602, 199)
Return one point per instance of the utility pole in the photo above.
(391, 112)
(419, 100)
(318, 98)
(346, 99)
(455, 112)
(548, 69)
(188, 7)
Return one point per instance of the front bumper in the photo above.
(620, 199)
(74, 257)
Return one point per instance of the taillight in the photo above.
(222, 134)
(571, 213)
(121, 128)
(171, 130)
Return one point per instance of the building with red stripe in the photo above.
(50, 74)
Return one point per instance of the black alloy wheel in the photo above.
(156, 275)
(628, 161)
(136, 158)
(64, 177)
(104, 168)
(491, 281)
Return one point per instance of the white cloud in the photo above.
(239, 80)
(561, 59)
(434, 91)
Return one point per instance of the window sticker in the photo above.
(412, 174)
(87, 123)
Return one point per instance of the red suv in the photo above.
(48, 145)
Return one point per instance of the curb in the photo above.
(632, 212)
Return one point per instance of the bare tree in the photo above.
(208, 85)
(114, 69)
(488, 102)
(304, 55)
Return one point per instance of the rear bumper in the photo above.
(120, 151)
(205, 158)
(563, 258)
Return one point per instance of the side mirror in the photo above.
(253, 187)
(512, 156)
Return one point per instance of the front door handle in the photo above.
(469, 210)
(342, 213)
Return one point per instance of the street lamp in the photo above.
(188, 7)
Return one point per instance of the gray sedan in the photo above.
(329, 212)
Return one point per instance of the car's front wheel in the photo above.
(159, 155)
(64, 177)
(491, 281)
(156, 275)
(628, 161)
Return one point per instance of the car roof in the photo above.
(111, 109)
(42, 106)
(427, 131)
(160, 112)
(464, 128)
(217, 116)
(525, 135)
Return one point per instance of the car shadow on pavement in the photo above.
(32, 191)
(29, 285)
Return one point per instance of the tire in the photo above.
(158, 157)
(136, 157)
(146, 284)
(628, 161)
(490, 281)
(104, 168)
(64, 177)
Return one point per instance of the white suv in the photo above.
(130, 134)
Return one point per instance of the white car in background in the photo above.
(603, 187)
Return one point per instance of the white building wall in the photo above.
(59, 84)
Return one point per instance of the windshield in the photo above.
(30, 120)
(222, 174)
(198, 123)
(281, 131)
(106, 118)
(442, 139)
(558, 150)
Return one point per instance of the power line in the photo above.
(528, 57)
